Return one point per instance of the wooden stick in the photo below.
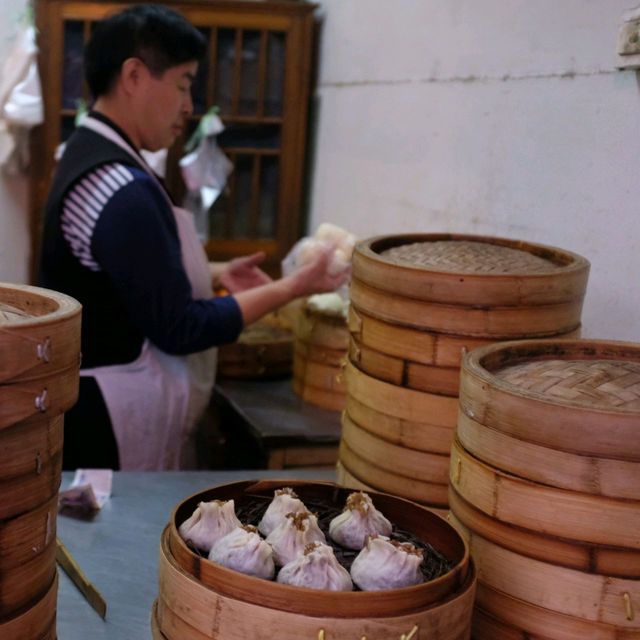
(73, 570)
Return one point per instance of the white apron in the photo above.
(155, 401)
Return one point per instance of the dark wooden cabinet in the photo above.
(257, 72)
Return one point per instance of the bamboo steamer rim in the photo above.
(548, 466)
(56, 305)
(556, 512)
(483, 361)
(464, 288)
(408, 404)
(479, 318)
(566, 261)
(201, 612)
(317, 602)
(594, 597)
(536, 621)
(582, 556)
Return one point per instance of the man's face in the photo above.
(166, 104)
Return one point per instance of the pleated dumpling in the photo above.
(359, 520)
(291, 537)
(316, 568)
(244, 550)
(208, 523)
(387, 564)
(284, 501)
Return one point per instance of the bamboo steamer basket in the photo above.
(32, 476)
(556, 512)
(39, 332)
(429, 494)
(219, 603)
(591, 558)
(403, 403)
(469, 270)
(39, 367)
(553, 467)
(538, 622)
(420, 360)
(569, 395)
(37, 622)
(403, 372)
(386, 443)
(586, 596)
(321, 344)
(422, 436)
(489, 322)
(427, 467)
(263, 350)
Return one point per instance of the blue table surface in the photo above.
(118, 549)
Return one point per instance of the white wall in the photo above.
(14, 212)
(496, 117)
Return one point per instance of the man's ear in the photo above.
(132, 73)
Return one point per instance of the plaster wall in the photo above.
(494, 117)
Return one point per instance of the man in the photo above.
(114, 240)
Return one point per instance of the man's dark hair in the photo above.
(160, 37)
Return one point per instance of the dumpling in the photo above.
(291, 537)
(359, 520)
(209, 522)
(387, 564)
(284, 501)
(316, 568)
(244, 550)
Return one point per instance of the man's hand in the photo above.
(243, 273)
(317, 277)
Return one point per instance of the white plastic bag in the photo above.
(205, 171)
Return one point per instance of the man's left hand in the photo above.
(243, 273)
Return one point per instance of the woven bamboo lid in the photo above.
(597, 383)
(465, 256)
(470, 270)
(580, 396)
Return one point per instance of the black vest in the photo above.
(108, 335)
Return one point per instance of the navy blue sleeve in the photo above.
(135, 242)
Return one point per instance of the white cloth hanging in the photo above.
(21, 105)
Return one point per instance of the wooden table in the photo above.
(265, 424)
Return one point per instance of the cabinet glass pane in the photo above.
(72, 70)
(199, 88)
(249, 78)
(242, 169)
(269, 181)
(265, 136)
(225, 58)
(276, 48)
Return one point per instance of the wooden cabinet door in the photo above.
(257, 72)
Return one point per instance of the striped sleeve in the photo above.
(82, 206)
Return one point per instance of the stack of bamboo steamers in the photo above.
(320, 347)
(545, 486)
(40, 347)
(417, 303)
